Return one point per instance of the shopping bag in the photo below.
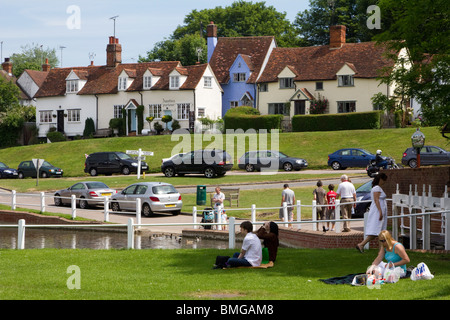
(421, 272)
(392, 274)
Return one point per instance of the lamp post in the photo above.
(418, 141)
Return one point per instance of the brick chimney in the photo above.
(113, 52)
(337, 36)
(46, 66)
(211, 38)
(7, 66)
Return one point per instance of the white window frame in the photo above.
(118, 111)
(201, 112)
(45, 116)
(174, 82)
(346, 81)
(147, 82)
(239, 77)
(234, 104)
(263, 87)
(154, 110)
(207, 82)
(72, 86)
(346, 106)
(183, 110)
(286, 83)
(122, 85)
(73, 115)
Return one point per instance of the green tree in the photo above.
(32, 57)
(9, 95)
(420, 29)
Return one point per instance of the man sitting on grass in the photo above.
(251, 251)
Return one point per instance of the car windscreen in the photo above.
(2, 165)
(366, 187)
(46, 164)
(124, 156)
(96, 185)
(165, 189)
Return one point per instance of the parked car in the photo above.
(175, 156)
(363, 194)
(87, 193)
(255, 160)
(112, 162)
(210, 162)
(350, 157)
(155, 197)
(27, 169)
(429, 155)
(7, 172)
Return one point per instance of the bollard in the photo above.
(194, 217)
(13, 200)
(299, 214)
(21, 234)
(73, 203)
(130, 233)
(231, 233)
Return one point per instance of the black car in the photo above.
(111, 162)
(7, 172)
(255, 160)
(429, 155)
(28, 169)
(210, 162)
(363, 194)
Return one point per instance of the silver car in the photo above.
(87, 193)
(155, 197)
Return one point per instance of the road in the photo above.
(33, 201)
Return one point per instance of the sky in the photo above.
(83, 27)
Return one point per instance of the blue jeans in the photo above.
(235, 262)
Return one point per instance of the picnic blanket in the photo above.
(341, 280)
(262, 266)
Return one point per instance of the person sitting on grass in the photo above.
(269, 233)
(251, 251)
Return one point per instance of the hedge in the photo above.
(341, 121)
(257, 122)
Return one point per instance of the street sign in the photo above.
(37, 164)
(140, 156)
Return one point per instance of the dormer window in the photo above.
(286, 83)
(174, 82)
(345, 81)
(71, 86)
(147, 82)
(122, 86)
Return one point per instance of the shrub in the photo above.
(55, 136)
(89, 128)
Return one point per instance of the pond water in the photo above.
(83, 239)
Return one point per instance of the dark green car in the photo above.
(27, 169)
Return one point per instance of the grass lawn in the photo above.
(184, 274)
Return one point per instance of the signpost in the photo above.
(37, 164)
(140, 156)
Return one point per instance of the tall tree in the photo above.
(32, 57)
(422, 29)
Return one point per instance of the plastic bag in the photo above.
(421, 272)
(392, 275)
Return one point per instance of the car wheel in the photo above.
(125, 170)
(413, 163)
(115, 206)
(249, 167)
(336, 166)
(93, 172)
(20, 175)
(44, 175)
(209, 172)
(83, 204)
(287, 166)
(57, 200)
(146, 210)
(169, 172)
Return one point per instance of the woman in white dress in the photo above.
(377, 219)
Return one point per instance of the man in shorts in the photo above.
(287, 196)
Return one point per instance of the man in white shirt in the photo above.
(346, 191)
(218, 199)
(251, 251)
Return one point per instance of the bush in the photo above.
(175, 125)
(55, 136)
(342, 121)
(249, 118)
(89, 128)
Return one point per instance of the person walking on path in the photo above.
(377, 218)
(346, 191)
(288, 196)
(320, 198)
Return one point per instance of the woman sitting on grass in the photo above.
(269, 233)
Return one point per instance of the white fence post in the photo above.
(314, 215)
(130, 233)
(194, 217)
(231, 233)
(42, 202)
(337, 226)
(106, 209)
(13, 200)
(138, 211)
(73, 202)
(285, 214)
(253, 210)
(366, 217)
(299, 214)
(21, 234)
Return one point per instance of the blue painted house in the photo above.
(237, 63)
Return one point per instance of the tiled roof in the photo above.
(37, 76)
(227, 49)
(321, 63)
(104, 80)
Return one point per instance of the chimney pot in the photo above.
(113, 53)
(7, 66)
(337, 36)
